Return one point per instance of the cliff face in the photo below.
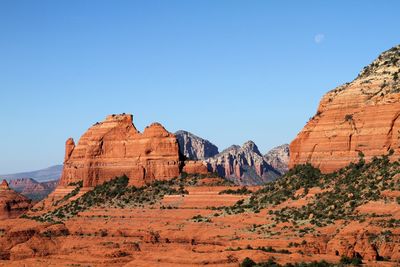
(278, 158)
(361, 116)
(12, 204)
(114, 147)
(32, 188)
(244, 165)
(194, 147)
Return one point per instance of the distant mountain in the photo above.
(278, 158)
(194, 147)
(43, 175)
(33, 189)
(243, 165)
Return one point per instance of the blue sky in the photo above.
(229, 71)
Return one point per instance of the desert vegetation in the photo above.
(114, 193)
(339, 193)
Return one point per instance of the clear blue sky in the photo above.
(229, 71)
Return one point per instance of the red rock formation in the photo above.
(32, 188)
(361, 116)
(4, 185)
(243, 165)
(12, 204)
(114, 147)
(278, 158)
(193, 167)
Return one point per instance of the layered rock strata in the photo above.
(12, 204)
(115, 147)
(244, 165)
(360, 116)
(194, 147)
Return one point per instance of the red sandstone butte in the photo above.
(361, 116)
(12, 204)
(114, 147)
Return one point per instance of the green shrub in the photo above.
(247, 262)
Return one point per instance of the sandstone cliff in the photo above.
(360, 116)
(278, 158)
(12, 204)
(194, 147)
(114, 147)
(244, 165)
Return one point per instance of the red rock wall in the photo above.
(114, 147)
(361, 116)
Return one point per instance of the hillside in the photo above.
(363, 198)
(349, 216)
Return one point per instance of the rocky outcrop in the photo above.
(22, 238)
(244, 165)
(194, 147)
(114, 147)
(278, 158)
(12, 204)
(361, 116)
(198, 167)
(4, 185)
(32, 188)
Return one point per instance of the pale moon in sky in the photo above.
(319, 38)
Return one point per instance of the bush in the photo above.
(240, 191)
(348, 117)
(356, 261)
(247, 262)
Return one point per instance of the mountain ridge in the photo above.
(41, 175)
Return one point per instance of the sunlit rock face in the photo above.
(115, 147)
(243, 165)
(361, 116)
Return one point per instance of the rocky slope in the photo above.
(360, 116)
(12, 204)
(350, 216)
(278, 158)
(33, 189)
(49, 174)
(244, 165)
(194, 147)
(114, 147)
(353, 212)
